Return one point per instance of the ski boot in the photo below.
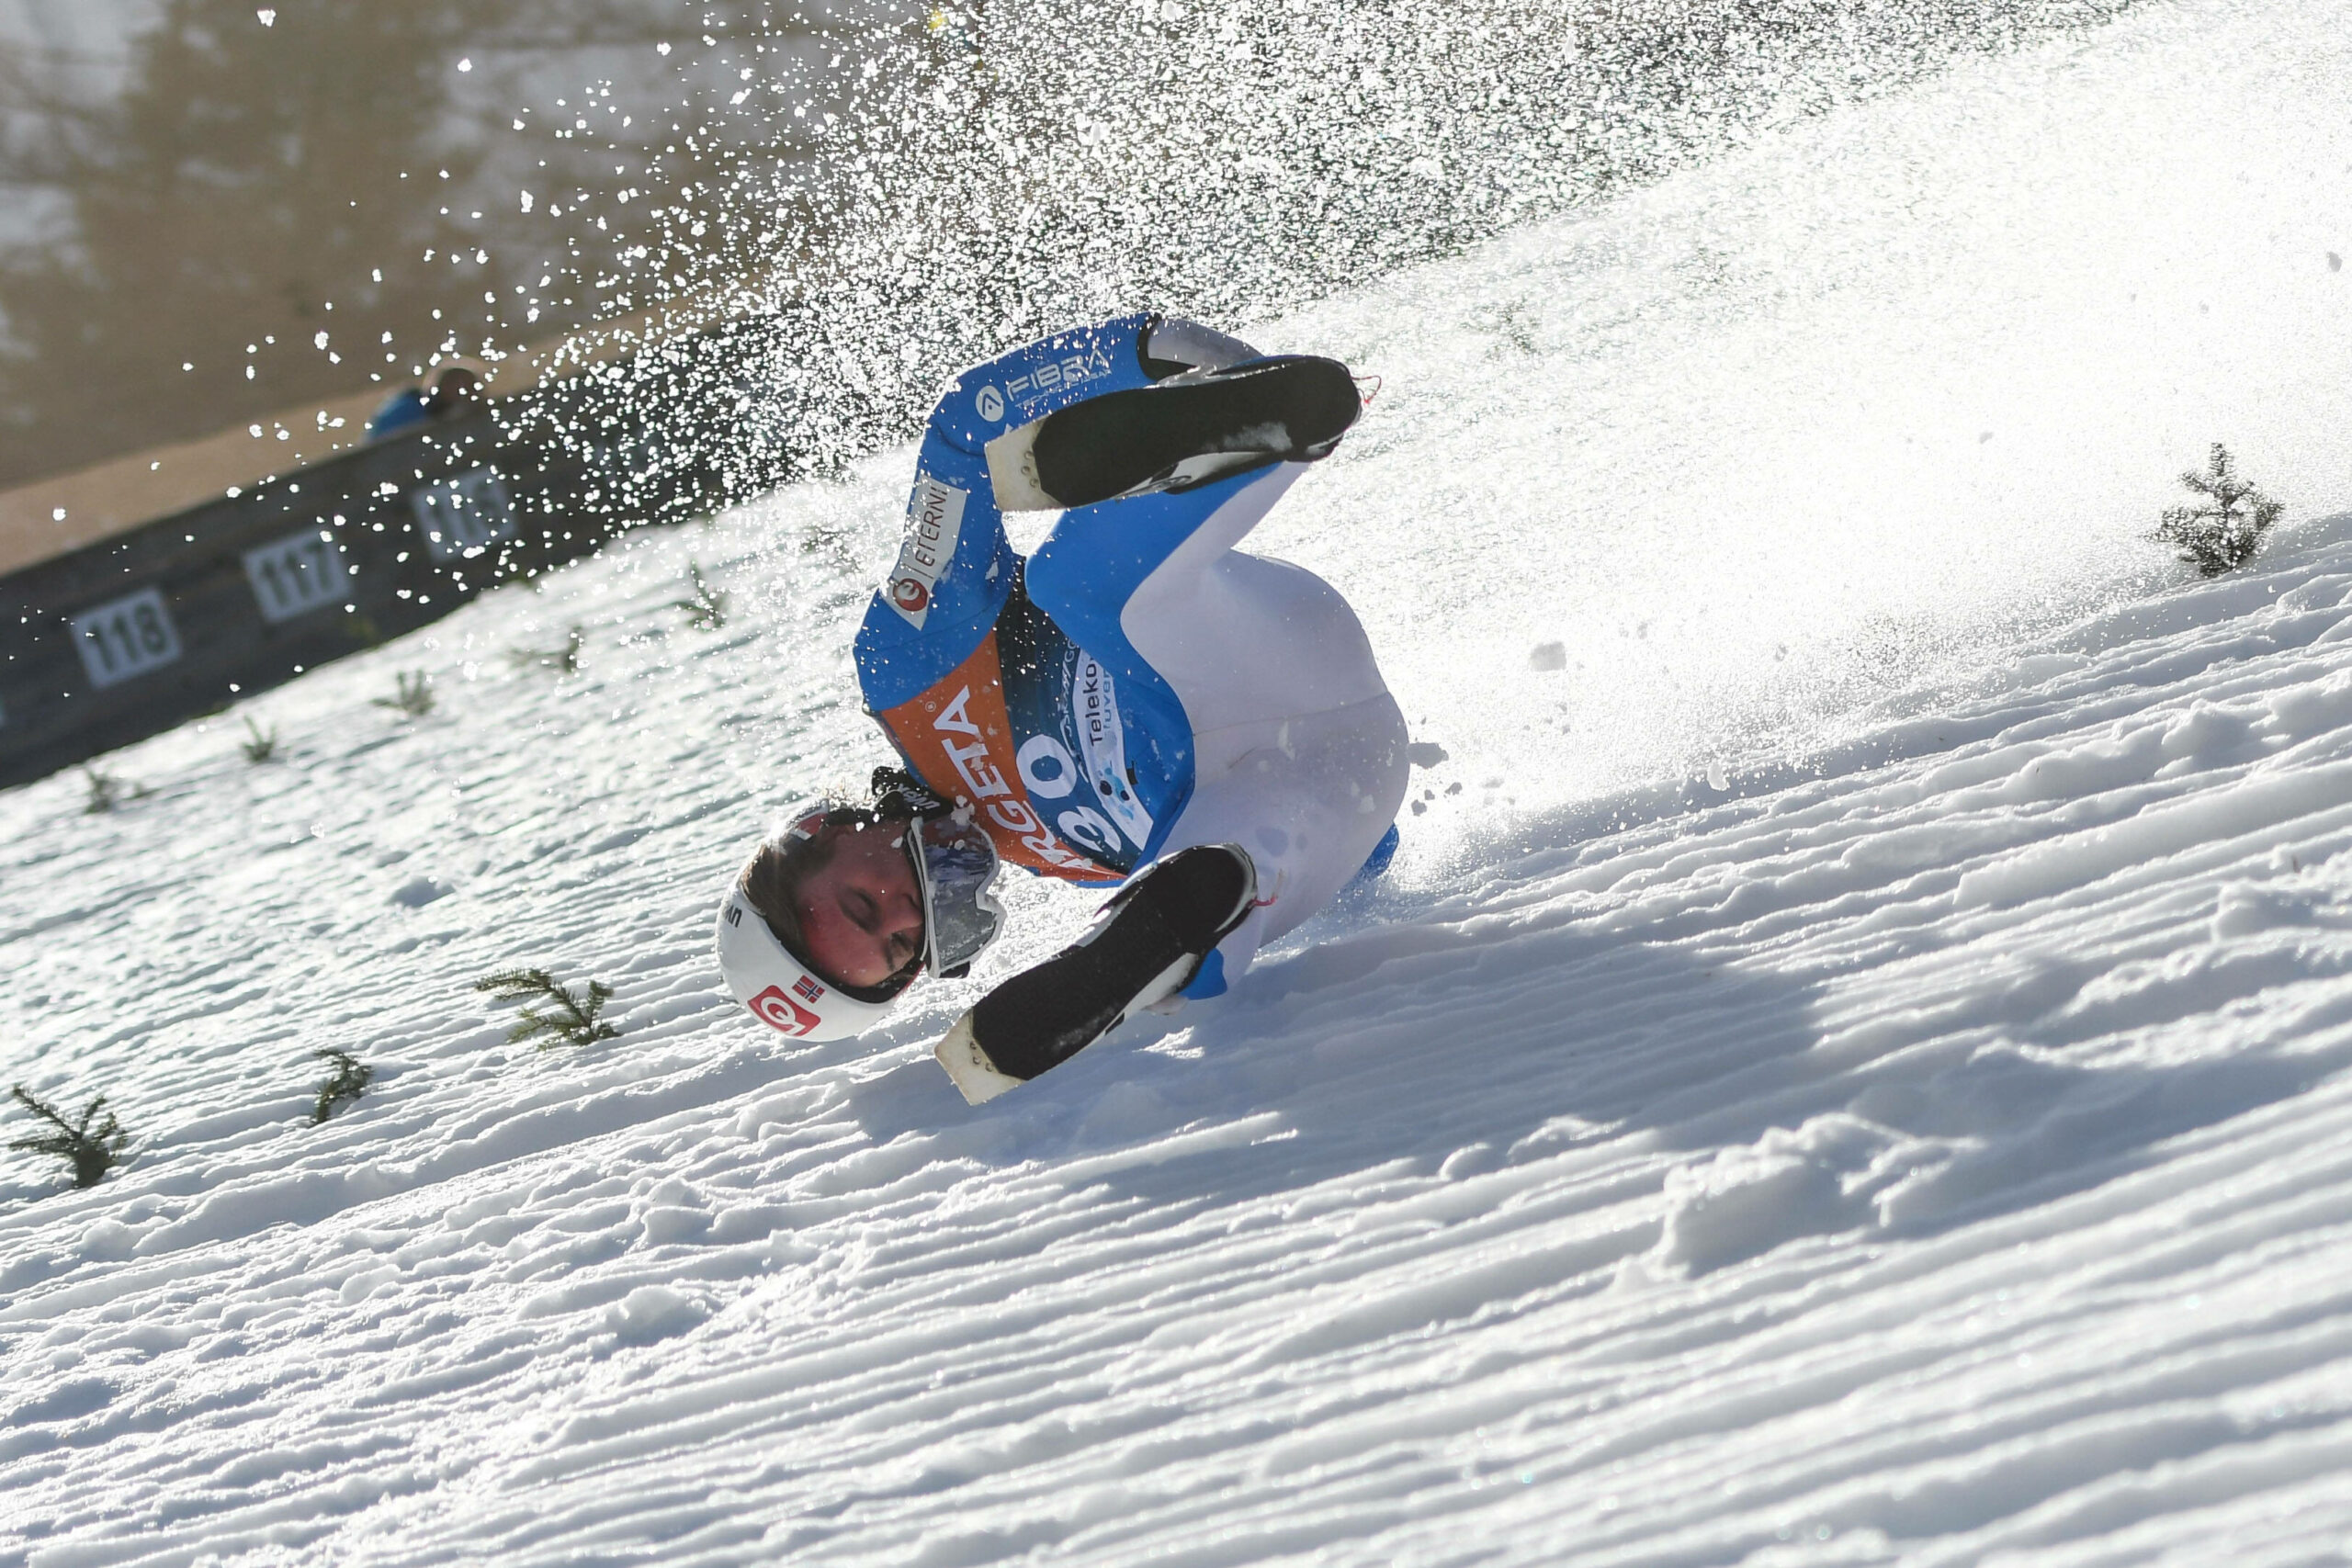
(1146, 945)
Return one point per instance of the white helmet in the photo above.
(781, 991)
(955, 866)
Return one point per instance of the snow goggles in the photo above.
(955, 866)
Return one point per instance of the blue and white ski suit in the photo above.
(1138, 685)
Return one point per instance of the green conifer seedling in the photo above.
(2223, 534)
(351, 1079)
(564, 660)
(572, 1018)
(109, 790)
(94, 1151)
(416, 695)
(706, 611)
(105, 791)
(260, 745)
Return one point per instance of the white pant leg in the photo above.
(1299, 751)
(1309, 801)
(1242, 639)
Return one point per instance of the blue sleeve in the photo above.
(954, 569)
(401, 410)
(948, 585)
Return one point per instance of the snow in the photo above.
(1856, 1071)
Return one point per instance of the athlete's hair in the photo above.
(770, 886)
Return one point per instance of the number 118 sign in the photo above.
(125, 636)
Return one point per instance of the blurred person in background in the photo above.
(453, 389)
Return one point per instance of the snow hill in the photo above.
(1850, 1068)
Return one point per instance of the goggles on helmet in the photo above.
(955, 866)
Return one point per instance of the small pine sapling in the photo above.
(416, 695)
(2223, 534)
(351, 1079)
(260, 745)
(706, 611)
(573, 1018)
(105, 791)
(564, 661)
(109, 790)
(94, 1151)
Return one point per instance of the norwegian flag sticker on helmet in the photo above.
(807, 989)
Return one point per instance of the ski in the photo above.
(1175, 434)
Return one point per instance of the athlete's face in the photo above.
(861, 913)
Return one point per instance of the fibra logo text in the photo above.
(1054, 376)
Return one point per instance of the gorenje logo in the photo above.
(781, 1012)
(934, 520)
(989, 402)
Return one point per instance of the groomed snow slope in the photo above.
(1855, 1073)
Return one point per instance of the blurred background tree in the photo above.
(249, 187)
(183, 227)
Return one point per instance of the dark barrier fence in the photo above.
(179, 616)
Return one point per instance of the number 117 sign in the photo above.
(298, 573)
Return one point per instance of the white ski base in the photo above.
(975, 1076)
(1013, 470)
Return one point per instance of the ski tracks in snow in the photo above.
(1934, 1151)
(1923, 1140)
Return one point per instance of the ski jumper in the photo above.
(1138, 685)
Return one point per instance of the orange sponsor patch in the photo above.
(960, 742)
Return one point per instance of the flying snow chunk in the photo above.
(268, 17)
(526, 202)
(652, 1312)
